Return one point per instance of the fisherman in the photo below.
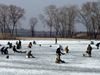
(15, 50)
(88, 51)
(5, 50)
(30, 45)
(58, 53)
(66, 49)
(29, 54)
(98, 45)
(2, 50)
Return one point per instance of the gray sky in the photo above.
(35, 7)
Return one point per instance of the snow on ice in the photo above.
(44, 63)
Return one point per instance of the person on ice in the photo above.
(61, 48)
(55, 40)
(92, 43)
(34, 42)
(30, 45)
(18, 44)
(15, 50)
(5, 50)
(58, 53)
(10, 44)
(66, 49)
(2, 50)
(29, 54)
(98, 45)
(88, 51)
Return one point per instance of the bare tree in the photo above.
(96, 15)
(67, 20)
(89, 16)
(33, 22)
(15, 14)
(61, 19)
(4, 20)
(49, 19)
(83, 19)
(71, 19)
(63, 16)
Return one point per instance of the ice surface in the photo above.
(44, 63)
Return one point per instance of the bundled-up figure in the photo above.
(29, 54)
(5, 50)
(15, 50)
(92, 43)
(66, 49)
(10, 44)
(98, 45)
(34, 42)
(2, 50)
(18, 44)
(30, 45)
(60, 46)
(58, 58)
(55, 40)
(89, 50)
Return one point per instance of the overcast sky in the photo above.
(35, 7)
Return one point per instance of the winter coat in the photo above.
(2, 50)
(6, 50)
(66, 49)
(58, 52)
(30, 45)
(89, 49)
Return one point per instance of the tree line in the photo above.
(9, 18)
(61, 20)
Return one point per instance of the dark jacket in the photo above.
(89, 49)
(6, 50)
(58, 51)
(2, 50)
